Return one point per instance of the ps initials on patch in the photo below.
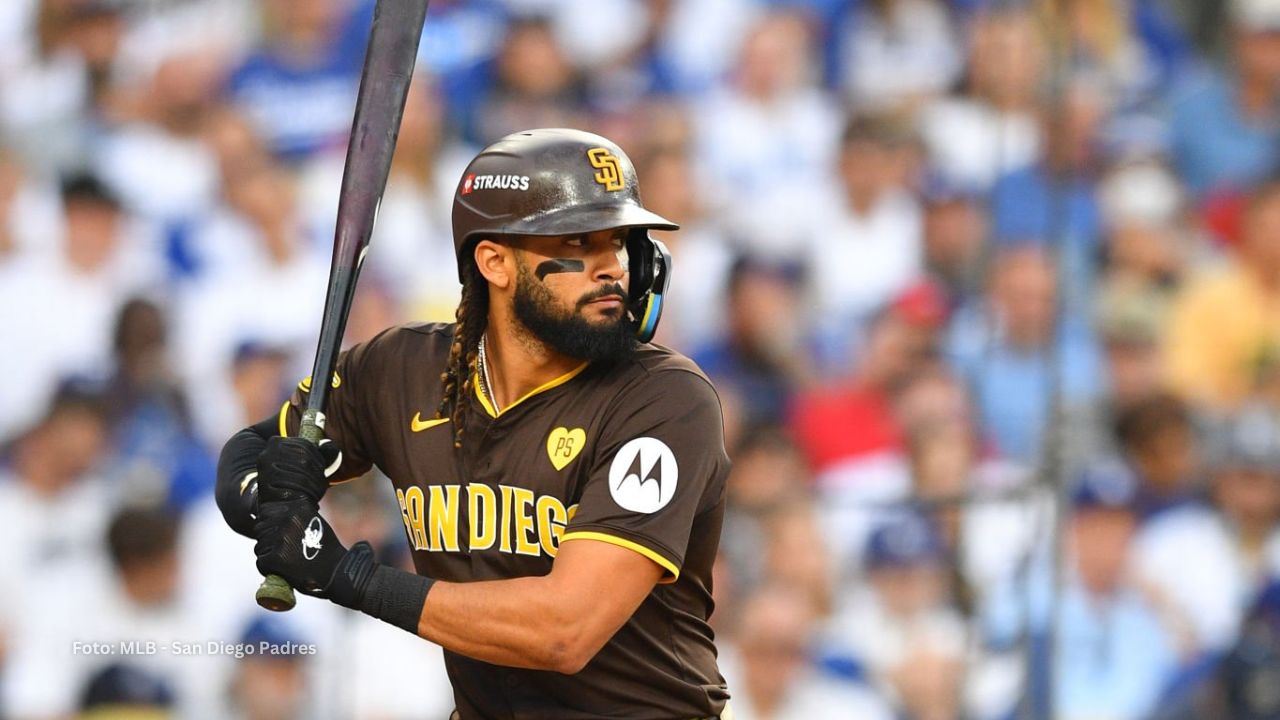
(643, 475)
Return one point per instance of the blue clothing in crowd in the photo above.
(1215, 146)
(303, 105)
(1012, 387)
(1112, 656)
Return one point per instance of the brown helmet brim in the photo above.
(579, 219)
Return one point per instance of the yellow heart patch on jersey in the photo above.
(563, 445)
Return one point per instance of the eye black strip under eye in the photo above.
(558, 265)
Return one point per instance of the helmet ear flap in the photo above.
(650, 269)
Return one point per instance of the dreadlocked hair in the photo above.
(456, 380)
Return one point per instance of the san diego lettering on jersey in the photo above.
(505, 518)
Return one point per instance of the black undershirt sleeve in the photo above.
(237, 499)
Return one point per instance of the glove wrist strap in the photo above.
(389, 594)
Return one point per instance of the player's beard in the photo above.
(570, 333)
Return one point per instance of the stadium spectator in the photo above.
(869, 250)
(53, 512)
(157, 161)
(534, 84)
(53, 504)
(768, 473)
(121, 690)
(271, 686)
(1159, 444)
(899, 626)
(955, 229)
(766, 142)
(1226, 322)
(1007, 351)
(984, 514)
(849, 426)
(157, 457)
(762, 355)
(1142, 208)
(1237, 685)
(1129, 324)
(841, 426)
(296, 87)
(1112, 654)
(1224, 121)
(60, 306)
(795, 554)
(769, 662)
(992, 128)
(895, 54)
(51, 93)
(1054, 200)
(136, 601)
(1129, 45)
(1210, 561)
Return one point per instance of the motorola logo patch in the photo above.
(643, 475)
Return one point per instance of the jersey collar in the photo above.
(556, 382)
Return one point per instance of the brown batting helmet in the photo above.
(557, 181)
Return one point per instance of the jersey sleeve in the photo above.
(345, 414)
(659, 462)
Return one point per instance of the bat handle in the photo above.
(274, 593)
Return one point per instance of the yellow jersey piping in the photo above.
(672, 572)
(475, 382)
(284, 413)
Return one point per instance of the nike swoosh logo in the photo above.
(418, 424)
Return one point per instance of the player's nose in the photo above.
(610, 264)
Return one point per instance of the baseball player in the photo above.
(561, 480)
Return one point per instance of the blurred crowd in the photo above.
(990, 291)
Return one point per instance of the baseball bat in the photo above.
(384, 84)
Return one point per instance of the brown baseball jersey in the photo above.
(629, 453)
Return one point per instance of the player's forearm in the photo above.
(527, 622)
(521, 622)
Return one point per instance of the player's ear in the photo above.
(496, 263)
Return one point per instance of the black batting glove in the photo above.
(296, 543)
(291, 468)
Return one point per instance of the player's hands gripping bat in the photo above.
(384, 83)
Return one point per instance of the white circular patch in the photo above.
(643, 475)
